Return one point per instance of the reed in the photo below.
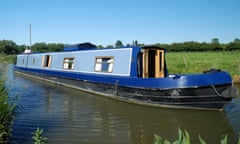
(184, 138)
(6, 108)
(6, 114)
(38, 138)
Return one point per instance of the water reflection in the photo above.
(233, 112)
(70, 116)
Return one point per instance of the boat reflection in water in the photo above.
(70, 116)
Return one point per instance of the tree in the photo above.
(215, 45)
(177, 47)
(191, 46)
(8, 47)
(40, 47)
(215, 41)
(205, 47)
(99, 46)
(236, 40)
(109, 46)
(135, 43)
(118, 43)
(235, 45)
(21, 48)
(53, 47)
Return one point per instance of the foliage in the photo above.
(201, 140)
(238, 139)
(118, 43)
(6, 114)
(43, 47)
(10, 47)
(38, 138)
(191, 46)
(184, 138)
(7, 59)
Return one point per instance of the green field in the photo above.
(197, 62)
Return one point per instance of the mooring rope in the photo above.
(216, 91)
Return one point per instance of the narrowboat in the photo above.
(132, 74)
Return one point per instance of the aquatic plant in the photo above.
(184, 138)
(38, 138)
(6, 114)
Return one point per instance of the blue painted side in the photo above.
(134, 61)
(20, 60)
(84, 60)
(179, 81)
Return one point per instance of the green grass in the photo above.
(197, 62)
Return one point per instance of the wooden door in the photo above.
(159, 64)
(153, 63)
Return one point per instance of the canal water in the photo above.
(75, 117)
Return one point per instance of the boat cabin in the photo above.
(141, 62)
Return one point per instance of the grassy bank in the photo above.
(6, 114)
(6, 108)
(7, 59)
(197, 62)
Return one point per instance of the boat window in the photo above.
(104, 64)
(23, 61)
(34, 60)
(68, 63)
(46, 61)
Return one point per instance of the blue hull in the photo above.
(199, 91)
(173, 81)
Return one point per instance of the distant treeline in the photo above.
(10, 47)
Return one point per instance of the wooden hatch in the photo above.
(153, 62)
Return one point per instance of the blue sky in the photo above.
(105, 21)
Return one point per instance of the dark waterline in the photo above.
(71, 116)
